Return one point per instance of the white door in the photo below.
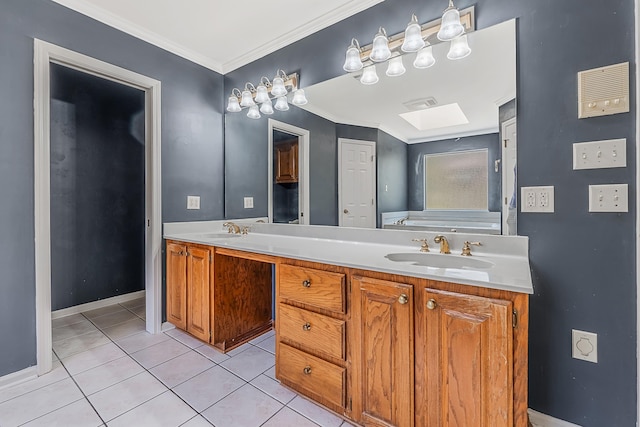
(509, 150)
(356, 183)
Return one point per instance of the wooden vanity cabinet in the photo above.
(177, 284)
(287, 162)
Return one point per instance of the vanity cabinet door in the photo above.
(177, 284)
(468, 376)
(198, 285)
(383, 355)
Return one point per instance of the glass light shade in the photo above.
(352, 61)
(369, 76)
(253, 113)
(299, 97)
(278, 88)
(459, 48)
(261, 94)
(424, 58)
(413, 41)
(282, 104)
(380, 51)
(266, 107)
(396, 67)
(247, 99)
(233, 106)
(450, 28)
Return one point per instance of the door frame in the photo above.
(44, 54)
(505, 173)
(374, 175)
(303, 168)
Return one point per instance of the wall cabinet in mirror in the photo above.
(287, 162)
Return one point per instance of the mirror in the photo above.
(483, 85)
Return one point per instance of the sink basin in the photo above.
(440, 261)
(221, 235)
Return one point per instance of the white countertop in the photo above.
(504, 259)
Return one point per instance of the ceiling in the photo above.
(221, 35)
(478, 83)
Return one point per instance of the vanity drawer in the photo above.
(314, 331)
(312, 374)
(317, 288)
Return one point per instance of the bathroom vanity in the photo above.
(367, 324)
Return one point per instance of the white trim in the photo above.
(637, 235)
(18, 377)
(539, 419)
(303, 165)
(64, 312)
(44, 54)
(91, 10)
(374, 176)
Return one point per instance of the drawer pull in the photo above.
(306, 326)
(306, 283)
(431, 304)
(403, 299)
(307, 370)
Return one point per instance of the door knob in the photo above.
(346, 211)
(403, 299)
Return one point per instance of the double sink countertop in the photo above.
(501, 262)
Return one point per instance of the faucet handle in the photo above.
(466, 249)
(245, 229)
(425, 245)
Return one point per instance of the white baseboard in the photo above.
(96, 304)
(539, 419)
(18, 377)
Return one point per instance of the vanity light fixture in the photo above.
(416, 38)
(260, 99)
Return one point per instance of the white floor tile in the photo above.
(198, 421)
(185, 338)
(123, 330)
(141, 340)
(238, 350)
(67, 320)
(268, 344)
(180, 369)
(263, 337)
(314, 412)
(24, 408)
(56, 374)
(212, 354)
(141, 311)
(80, 343)
(208, 387)
(245, 407)
(91, 358)
(288, 417)
(164, 410)
(347, 424)
(106, 375)
(273, 388)
(126, 395)
(68, 331)
(159, 353)
(91, 314)
(77, 414)
(271, 372)
(250, 363)
(112, 319)
(133, 303)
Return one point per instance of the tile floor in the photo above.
(108, 371)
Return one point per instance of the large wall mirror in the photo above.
(414, 111)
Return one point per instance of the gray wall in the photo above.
(415, 166)
(392, 175)
(192, 143)
(583, 264)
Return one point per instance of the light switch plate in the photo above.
(609, 198)
(610, 153)
(584, 345)
(193, 202)
(537, 199)
(248, 202)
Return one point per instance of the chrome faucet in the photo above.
(444, 244)
(233, 228)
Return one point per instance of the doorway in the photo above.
(46, 54)
(509, 196)
(288, 170)
(356, 183)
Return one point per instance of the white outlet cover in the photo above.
(610, 153)
(609, 198)
(537, 199)
(193, 202)
(584, 345)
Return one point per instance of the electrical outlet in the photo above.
(537, 199)
(609, 198)
(584, 345)
(193, 202)
(610, 153)
(248, 202)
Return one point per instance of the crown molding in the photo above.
(350, 8)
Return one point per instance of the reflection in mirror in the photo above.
(418, 108)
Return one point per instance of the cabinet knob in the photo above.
(403, 299)
(431, 304)
(306, 326)
(346, 211)
(307, 370)
(306, 283)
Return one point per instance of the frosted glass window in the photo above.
(457, 180)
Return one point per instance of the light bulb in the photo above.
(424, 58)
(413, 41)
(253, 113)
(352, 61)
(396, 67)
(233, 106)
(450, 27)
(261, 94)
(247, 99)
(278, 88)
(282, 104)
(380, 51)
(369, 76)
(266, 107)
(459, 48)
(299, 97)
